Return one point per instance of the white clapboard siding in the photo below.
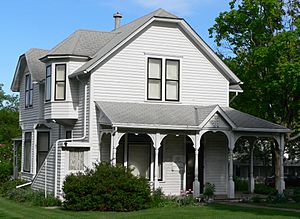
(216, 161)
(173, 178)
(122, 78)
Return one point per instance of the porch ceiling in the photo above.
(175, 116)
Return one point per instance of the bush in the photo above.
(6, 170)
(106, 188)
(256, 199)
(209, 190)
(265, 190)
(296, 198)
(240, 185)
(5, 187)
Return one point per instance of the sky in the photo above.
(26, 24)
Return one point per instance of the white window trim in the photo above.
(163, 81)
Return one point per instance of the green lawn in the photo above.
(9, 209)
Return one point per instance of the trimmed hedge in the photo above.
(106, 188)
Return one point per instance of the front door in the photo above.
(43, 144)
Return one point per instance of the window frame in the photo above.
(56, 81)
(29, 141)
(178, 80)
(148, 77)
(46, 85)
(28, 91)
(38, 151)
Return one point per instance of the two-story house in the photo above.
(150, 95)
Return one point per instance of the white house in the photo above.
(150, 94)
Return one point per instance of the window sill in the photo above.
(163, 101)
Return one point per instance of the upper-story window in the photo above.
(172, 80)
(154, 79)
(48, 83)
(60, 82)
(28, 91)
(159, 79)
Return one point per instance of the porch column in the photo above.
(156, 147)
(252, 182)
(126, 151)
(113, 149)
(230, 181)
(196, 184)
(280, 181)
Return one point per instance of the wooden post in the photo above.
(196, 183)
(156, 147)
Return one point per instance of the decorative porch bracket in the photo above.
(157, 139)
(114, 143)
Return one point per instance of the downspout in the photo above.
(236, 94)
(72, 139)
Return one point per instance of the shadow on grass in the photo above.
(255, 211)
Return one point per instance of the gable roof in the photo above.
(35, 66)
(129, 30)
(174, 116)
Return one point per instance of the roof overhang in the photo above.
(15, 85)
(64, 56)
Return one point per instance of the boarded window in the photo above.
(76, 160)
(27, 152)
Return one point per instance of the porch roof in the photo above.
(178, 116)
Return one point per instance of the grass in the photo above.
(9, 209)
(281, 205)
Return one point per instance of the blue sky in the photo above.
(26, 24)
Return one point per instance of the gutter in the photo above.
(72, 139)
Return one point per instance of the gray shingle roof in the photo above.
(83, 43)
(35, 66)
(175, 115)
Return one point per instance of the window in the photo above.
(172, 80)
(60, 82)
(27, 152)
(48, 83)
(28, 91)
(43, 143)
(68, 134)
(76, 160)
(154, 79)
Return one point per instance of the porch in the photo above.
(180, 147)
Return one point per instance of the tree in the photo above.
(9, 128)
(260, 41)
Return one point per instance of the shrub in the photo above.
(157, 198)
(9, 185)
(296, 198)
(209, 190)
(256, 199)
(264, 190)
(106, 188)
(240, 185)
